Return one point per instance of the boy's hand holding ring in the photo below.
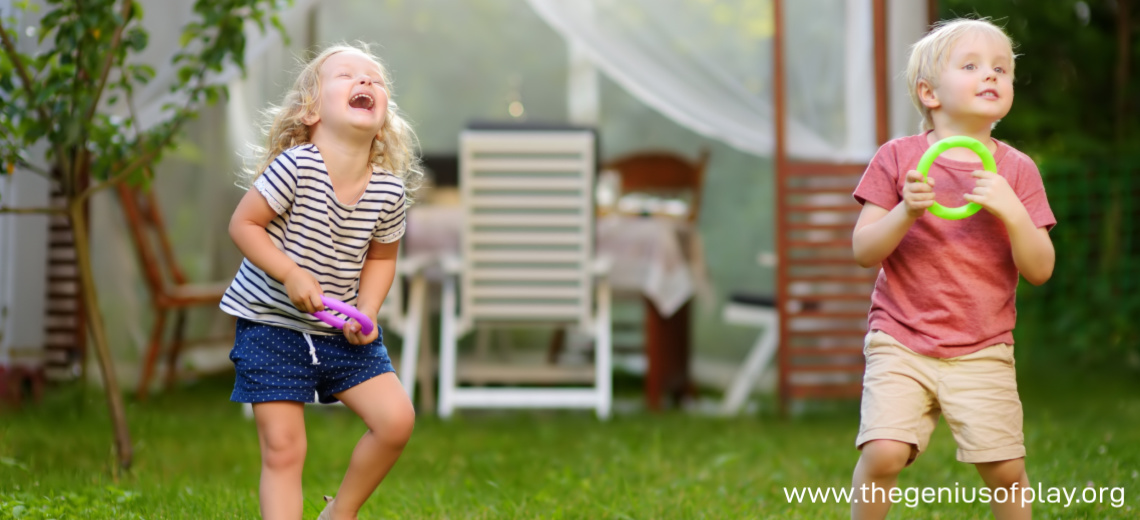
(918, 194)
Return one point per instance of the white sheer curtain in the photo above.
(708, 67)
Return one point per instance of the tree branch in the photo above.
(80, 76)
(32, 168)
(145, 160)
(18, 64)
(134, 165)
(115, 41)
(130, 95)
(79, 72)
(32, 211)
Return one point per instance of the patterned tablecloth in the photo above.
(647, 254)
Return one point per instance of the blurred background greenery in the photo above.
(1077, 114)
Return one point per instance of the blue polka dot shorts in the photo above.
(279, 364)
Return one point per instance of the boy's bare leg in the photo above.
(281, 433)
(879, 464)
(1003, 474)
(385, 408)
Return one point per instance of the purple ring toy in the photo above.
(345, 309)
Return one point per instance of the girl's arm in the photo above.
(375, 280)
(879, 231)
(247, 229)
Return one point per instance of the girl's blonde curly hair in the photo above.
(393, 148)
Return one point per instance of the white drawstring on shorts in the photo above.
(312, 349)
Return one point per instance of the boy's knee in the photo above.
(885, 457)
(283, 451)
(1004, 473)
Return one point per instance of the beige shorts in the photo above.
(904, 393)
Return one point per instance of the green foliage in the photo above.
(1079, 119)
(1088, 310)
(1066, 103)
(201, 459)
(109, 500)
(61, 93)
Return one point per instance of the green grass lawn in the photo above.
(196, 457)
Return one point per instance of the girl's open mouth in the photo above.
(361, 101)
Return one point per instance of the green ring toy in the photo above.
(935, 150)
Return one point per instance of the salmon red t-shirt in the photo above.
(948, 289)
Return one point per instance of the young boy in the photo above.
(942, 312)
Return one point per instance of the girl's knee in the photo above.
(401, 425)
(283, 450)
(885, 457)
(395, 427)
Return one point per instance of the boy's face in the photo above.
(976, 84)
(353, 95)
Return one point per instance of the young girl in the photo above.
(325, 218)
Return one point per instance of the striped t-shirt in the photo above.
(327, 238)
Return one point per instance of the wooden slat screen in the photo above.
(65, 336)
(827, 294)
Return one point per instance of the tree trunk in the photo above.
(1110, 256)
(123, 447)
(1123, 71)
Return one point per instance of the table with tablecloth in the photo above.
(647, 255)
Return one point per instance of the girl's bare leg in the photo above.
(385, 408)
(281, 432)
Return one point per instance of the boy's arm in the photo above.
(1033, 252)
(1032, 249)
(247, 229)
(879, 230)
(375, 280)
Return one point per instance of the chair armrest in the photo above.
(451, 264)
(413, 264)
(753, 315)
(600, 266)
(187, 294)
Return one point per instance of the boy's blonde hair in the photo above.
(929, 55)
(393, 150)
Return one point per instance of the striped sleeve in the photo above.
(278, 183)
(393, 220)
